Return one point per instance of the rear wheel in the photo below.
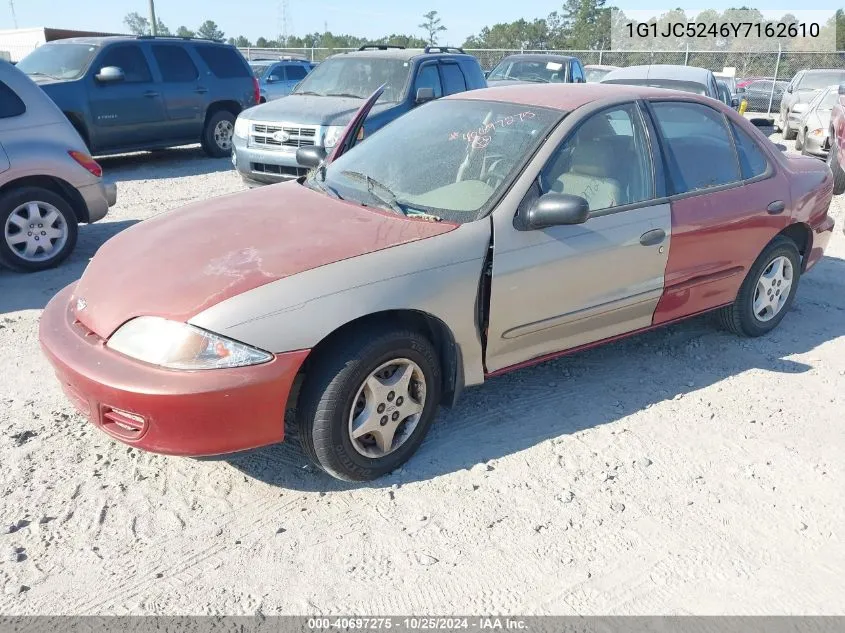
(799, 141)
(367, 404)
(217, 135)
(39, 229)
(835, 167)
(767, 292)
(788, 132)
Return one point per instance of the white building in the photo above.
(18, 43)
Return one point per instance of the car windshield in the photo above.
(671, 84)
(358, 77)
(817, 81)
(259, 70)
(595, 75)
(449, 158)
(524, 70)
(58, 61)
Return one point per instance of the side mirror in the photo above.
(789, 88)
(311, 156)
(109, 74)
(555, 209)
(486, 74)
(841, 89)
(273, 79)
(735, 102)
(425, 94)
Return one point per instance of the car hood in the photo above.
(805, 96)
(178, 264)
(311, 110)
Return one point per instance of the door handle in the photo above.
(776, 207)
(653, 237)
(201, 90)
(151, 93)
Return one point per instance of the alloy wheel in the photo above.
(35, 231)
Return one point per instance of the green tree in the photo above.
(519, 34)
(432, 26)
(209, 31)
(585, 24)
(241, 41)
(139, 25)
(184, 31)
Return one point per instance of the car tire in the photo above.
(16, 210)
(835, 167)
(744, 317)
(788, 133)
(337, 385)
(218, 133)
(799, 142)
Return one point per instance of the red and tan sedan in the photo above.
(476, 235)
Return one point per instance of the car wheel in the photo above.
(217, 136)
(768, 291)
(788, 132)
(39, 229)
(799, 141)
(366, 404)
(835, 167)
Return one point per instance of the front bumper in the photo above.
(207, 412)
(265, 165)
(98, 197)
(817, 145)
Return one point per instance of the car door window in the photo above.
(606, 161)
(10, 103)
(752, 160)
(225, 62)
(430, 78)
(130, 59)
(453, 79)
(698, 150)
(175, 64)
(577, 72)
(295, 73)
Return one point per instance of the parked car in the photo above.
(536, 68)
(759, 94)
(812, 122)
(594, 73)
(802, 89)
(836, 155)
(745, 81)
(685, 78)
(373, 283)
(140, 93)
(267, 136)
(48, 182)
(277, 79)
(725, 95)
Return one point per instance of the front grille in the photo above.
(262, 135)
(278, 170)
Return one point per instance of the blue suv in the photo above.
(316, 112)
(140, 93)
(277, 78)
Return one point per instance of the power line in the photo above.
(14, 17)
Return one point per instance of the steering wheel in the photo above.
(497, 171)
(536, 76)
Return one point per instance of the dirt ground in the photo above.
(683, 471)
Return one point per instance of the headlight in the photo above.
(178, 345)
(241, 127)
(817, 132)
(332, 135)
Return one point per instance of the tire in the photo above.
(212, 142)
(335, 384)
(799, 143)
(788, 133)
(740, 317)
(835, 167)
(16, 203)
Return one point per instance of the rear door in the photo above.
(567, 286)
(728, 201)
(184, 99)
(11, 107)
(128, 112)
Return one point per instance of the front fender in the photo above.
(438, 276)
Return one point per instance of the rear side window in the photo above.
(224, 62)
(453, 79)
(130, 59)
(10, 103)
(577, 72)
(175, 64)
(698, 149)
(295, 73)
(752, 160)
(429, 78)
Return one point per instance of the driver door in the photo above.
(564, 287)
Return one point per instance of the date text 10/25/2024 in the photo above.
(421, 623)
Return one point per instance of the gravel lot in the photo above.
(683, 471)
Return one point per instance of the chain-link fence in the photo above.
(16, 51)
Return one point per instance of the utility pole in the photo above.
(153, 28)
(14, 17)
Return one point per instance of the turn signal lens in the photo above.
(87, 162)
(817, 132)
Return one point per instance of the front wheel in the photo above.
(217, 135)
(767, 292)
(835, 167)
(788, 133)
(799, 142)
(367, 404)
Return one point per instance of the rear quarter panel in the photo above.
(837, 124)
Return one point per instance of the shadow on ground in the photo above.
(177, 162)
(519, 410)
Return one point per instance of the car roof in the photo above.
(563, 97)
(817, 71)
(661, 71)
(538, 57)
(405, 54)
(108, 39)
(600, 67)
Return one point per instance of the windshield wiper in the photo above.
(389, 198)
(343, 94)
(309, 92)
(42, 75)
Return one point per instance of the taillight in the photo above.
(256, 90)
(87, 162)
